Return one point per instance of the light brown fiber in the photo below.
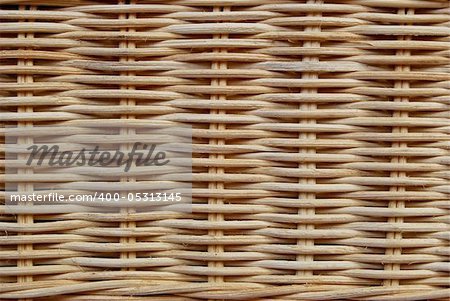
(319, 148)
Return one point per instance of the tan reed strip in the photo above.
(128, 102)
(24, 220)
(320, 148)
(217, 250)
(400, 84)
(308, 136)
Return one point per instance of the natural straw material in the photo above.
(319, 144)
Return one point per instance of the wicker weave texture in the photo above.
(319, 147)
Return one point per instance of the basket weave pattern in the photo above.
(319, 147)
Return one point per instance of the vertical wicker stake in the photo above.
(308, 150)
(25, 219)
(127, 131)
(399, 84)
(217, 217)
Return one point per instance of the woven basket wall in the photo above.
(319, 147)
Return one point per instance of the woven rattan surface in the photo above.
(319, 147)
